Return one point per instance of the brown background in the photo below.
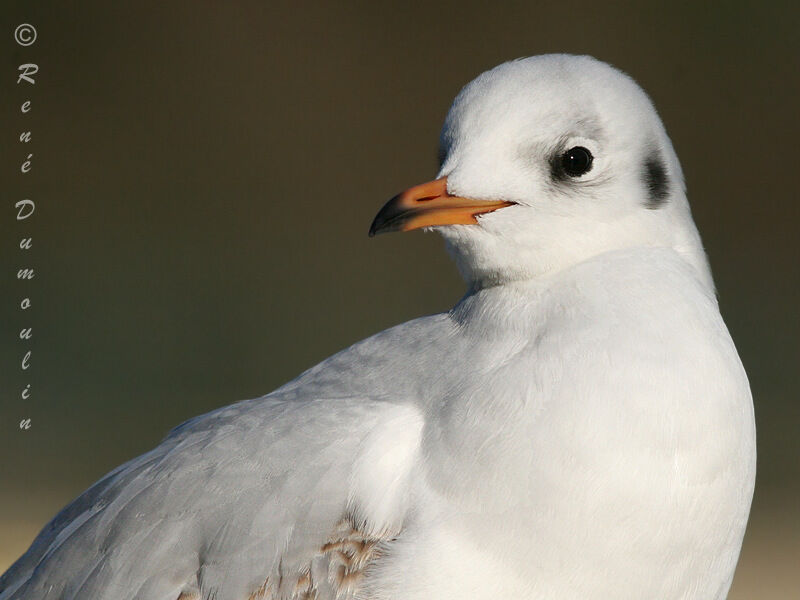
(205, 173)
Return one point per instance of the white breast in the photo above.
(609, 454)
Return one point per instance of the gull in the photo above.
(578, 426)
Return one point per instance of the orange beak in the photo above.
(428, 205)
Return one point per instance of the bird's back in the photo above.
(271, 496)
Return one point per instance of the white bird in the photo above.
(578, 426)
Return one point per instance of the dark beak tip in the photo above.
(374, 229)
(387, 219)
(379, 227)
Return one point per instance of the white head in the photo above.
(548, 161)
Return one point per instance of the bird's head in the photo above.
(546, 162)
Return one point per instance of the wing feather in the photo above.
(237, 503)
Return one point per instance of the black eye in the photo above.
(576, 161)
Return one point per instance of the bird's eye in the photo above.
(577, 161)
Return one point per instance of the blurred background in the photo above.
(205, 174)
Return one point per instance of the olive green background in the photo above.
(205, 174)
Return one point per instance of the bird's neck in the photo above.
(517, 305)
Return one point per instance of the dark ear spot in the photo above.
(655, 180)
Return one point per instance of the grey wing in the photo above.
(266, 498)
